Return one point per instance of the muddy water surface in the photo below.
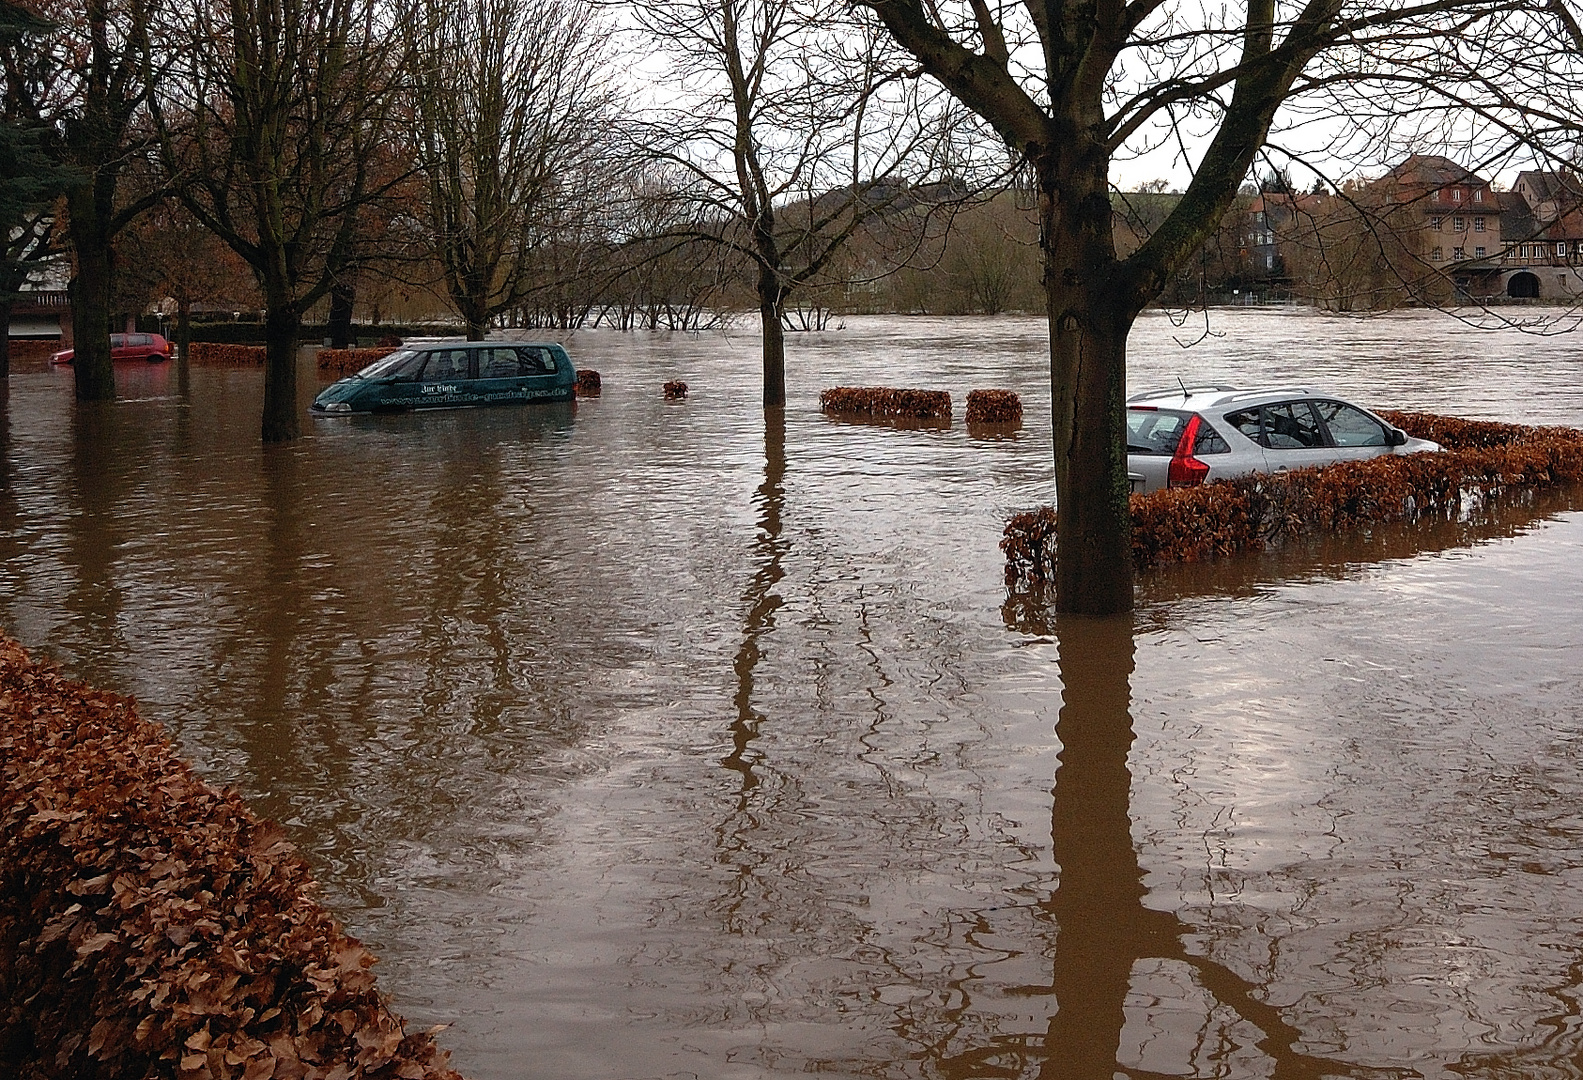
(648, 739)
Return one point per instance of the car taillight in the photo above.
(1185, 469)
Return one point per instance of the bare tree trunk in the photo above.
(1089, 320)
(772, 302)
(183, 326)
(282, 324)
(342, 296)
(94, 375)
(5, 337)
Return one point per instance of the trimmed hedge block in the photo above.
(884, 402)
(588, 383)
(208, 352)
(347, 361)
(993, 407)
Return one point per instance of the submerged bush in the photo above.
(588, 383)
(1481, 461)
(151, 926)
(883, 402)
(993, 407)
(348, 361)
(220, 355)
(675, 390)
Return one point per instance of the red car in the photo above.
(150, 347)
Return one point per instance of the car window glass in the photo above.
(1247, 422)
(536, 360)
(1154, 431)
(408, 369)
(1208, 440)
(117, 341)
(446, 364)
(499, 364)
(385, 364)
(142, 339)
(1350, 426)
(1291, 425)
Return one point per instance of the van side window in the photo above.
(499, 364)
(446, 364)
(536, 360)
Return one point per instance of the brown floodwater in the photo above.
(665, 739)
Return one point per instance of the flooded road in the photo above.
(657, 739)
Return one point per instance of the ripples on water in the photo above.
(655, 739)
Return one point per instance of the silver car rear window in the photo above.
(1155, 431)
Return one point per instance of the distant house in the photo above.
(1448, 220)
(1543, 252)
(42, 309)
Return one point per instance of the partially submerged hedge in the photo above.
(209, 352)
(151, 926)
(1481, 461)
(887, 403)
(675, 390)
(588, 383)
(993, 407)
(347, 361)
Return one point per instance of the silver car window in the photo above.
(1247, 422)
(446, 364)
(1350, 426)
(1292, 425)
(1154, 431)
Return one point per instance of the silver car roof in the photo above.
(1199, 398)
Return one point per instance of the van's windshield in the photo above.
(386, 365)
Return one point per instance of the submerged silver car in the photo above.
(1193, 434)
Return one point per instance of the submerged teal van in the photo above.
(453, 375)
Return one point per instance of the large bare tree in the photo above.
(513, 110)
(796, 124)
(1070, 85)
(84, 83)
(275, 129)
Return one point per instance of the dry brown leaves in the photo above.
(883, 402)
(347, 361)
(1482, 461)
(150, 925)
(588, 383)
(221, 355)
(993, 407)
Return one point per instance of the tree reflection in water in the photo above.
(761, 599)
(1099, 934)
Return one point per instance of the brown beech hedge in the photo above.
(675, 390)
(347, 361)
(886, 403)
(151, 926)
(1481, 461)
(993, 407)
(220, 355)
(588, 383)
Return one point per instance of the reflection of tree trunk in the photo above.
(1098, 906)
(760, 596)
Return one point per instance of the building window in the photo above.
(1478, 224)
(1478, 196)
(1437, 254)
(1459, 224)
(1458, 254)
(1561, 251)
(1456, 194)
(1478, 253)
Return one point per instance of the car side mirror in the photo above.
(1396, 437)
